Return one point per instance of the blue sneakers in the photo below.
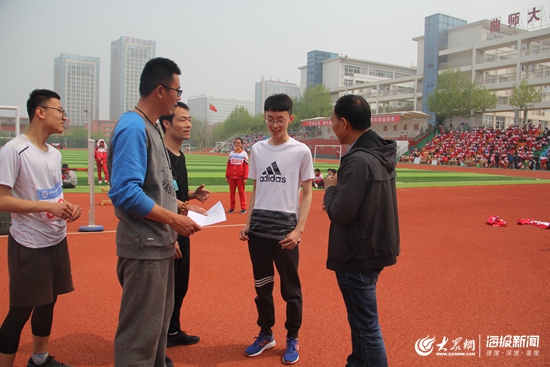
(291, 354)
(262, 342)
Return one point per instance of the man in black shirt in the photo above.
(177, 128)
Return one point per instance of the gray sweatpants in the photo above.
(145, 310)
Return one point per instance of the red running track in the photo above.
(456, 277)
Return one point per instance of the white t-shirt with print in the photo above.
(33, 175)
(279, 172)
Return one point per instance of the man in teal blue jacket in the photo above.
(145, 202)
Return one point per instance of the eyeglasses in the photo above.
(59, 109)
(178, 91)
(279, 122)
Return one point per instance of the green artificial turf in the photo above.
(210, 170)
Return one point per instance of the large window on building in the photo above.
(350, 70)
(381, 73)
(400, 74)
(487, 120)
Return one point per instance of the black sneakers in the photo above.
(50, 362)
(181, 338)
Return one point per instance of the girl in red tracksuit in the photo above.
(236, 174)
(100, 156)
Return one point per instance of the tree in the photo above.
(483, 99)
(240, 121)
(524, 97)
(258, 124)
(315, 102)
(198, 133)
(453, 95)
(77, 137)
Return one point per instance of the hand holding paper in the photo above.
(216, 214)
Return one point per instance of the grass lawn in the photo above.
(210, 170)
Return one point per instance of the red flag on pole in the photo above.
(212, 108)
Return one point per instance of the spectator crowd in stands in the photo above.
(511, 148)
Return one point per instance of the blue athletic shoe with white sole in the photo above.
(262, 342)
(291, 354)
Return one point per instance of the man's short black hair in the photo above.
(278, 103)
(157, 71)
(170, 118)
(355, 109)
(39, 98)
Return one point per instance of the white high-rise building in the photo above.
(128, 57)
(215, 109)
(266, 88)
(76, 80)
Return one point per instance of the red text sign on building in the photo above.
(495, 25)
(533, 15)
(513, 20)
(383, 119)
(316, 122)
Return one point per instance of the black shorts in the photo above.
(37, 276)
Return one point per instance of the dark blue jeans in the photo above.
(359, 292)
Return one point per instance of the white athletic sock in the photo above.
(39, 359)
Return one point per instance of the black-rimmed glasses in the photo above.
(279, 122)
(178, 91)
(59, 109)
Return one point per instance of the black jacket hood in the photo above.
(384, 150)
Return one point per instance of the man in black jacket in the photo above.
(361, 203)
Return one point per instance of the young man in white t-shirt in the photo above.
(31, 189)
(279, 166)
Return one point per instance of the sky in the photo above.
(222, 47)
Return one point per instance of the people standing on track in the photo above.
(145, 201)
(279, 166)
(177, 128)
(361, 202)
(100, 156)
(236, 174)
(31, 190)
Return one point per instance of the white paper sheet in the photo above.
(216, 214)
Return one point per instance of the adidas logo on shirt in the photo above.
(272, 174)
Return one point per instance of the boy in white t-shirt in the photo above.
(279, 166)
(31, 189)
